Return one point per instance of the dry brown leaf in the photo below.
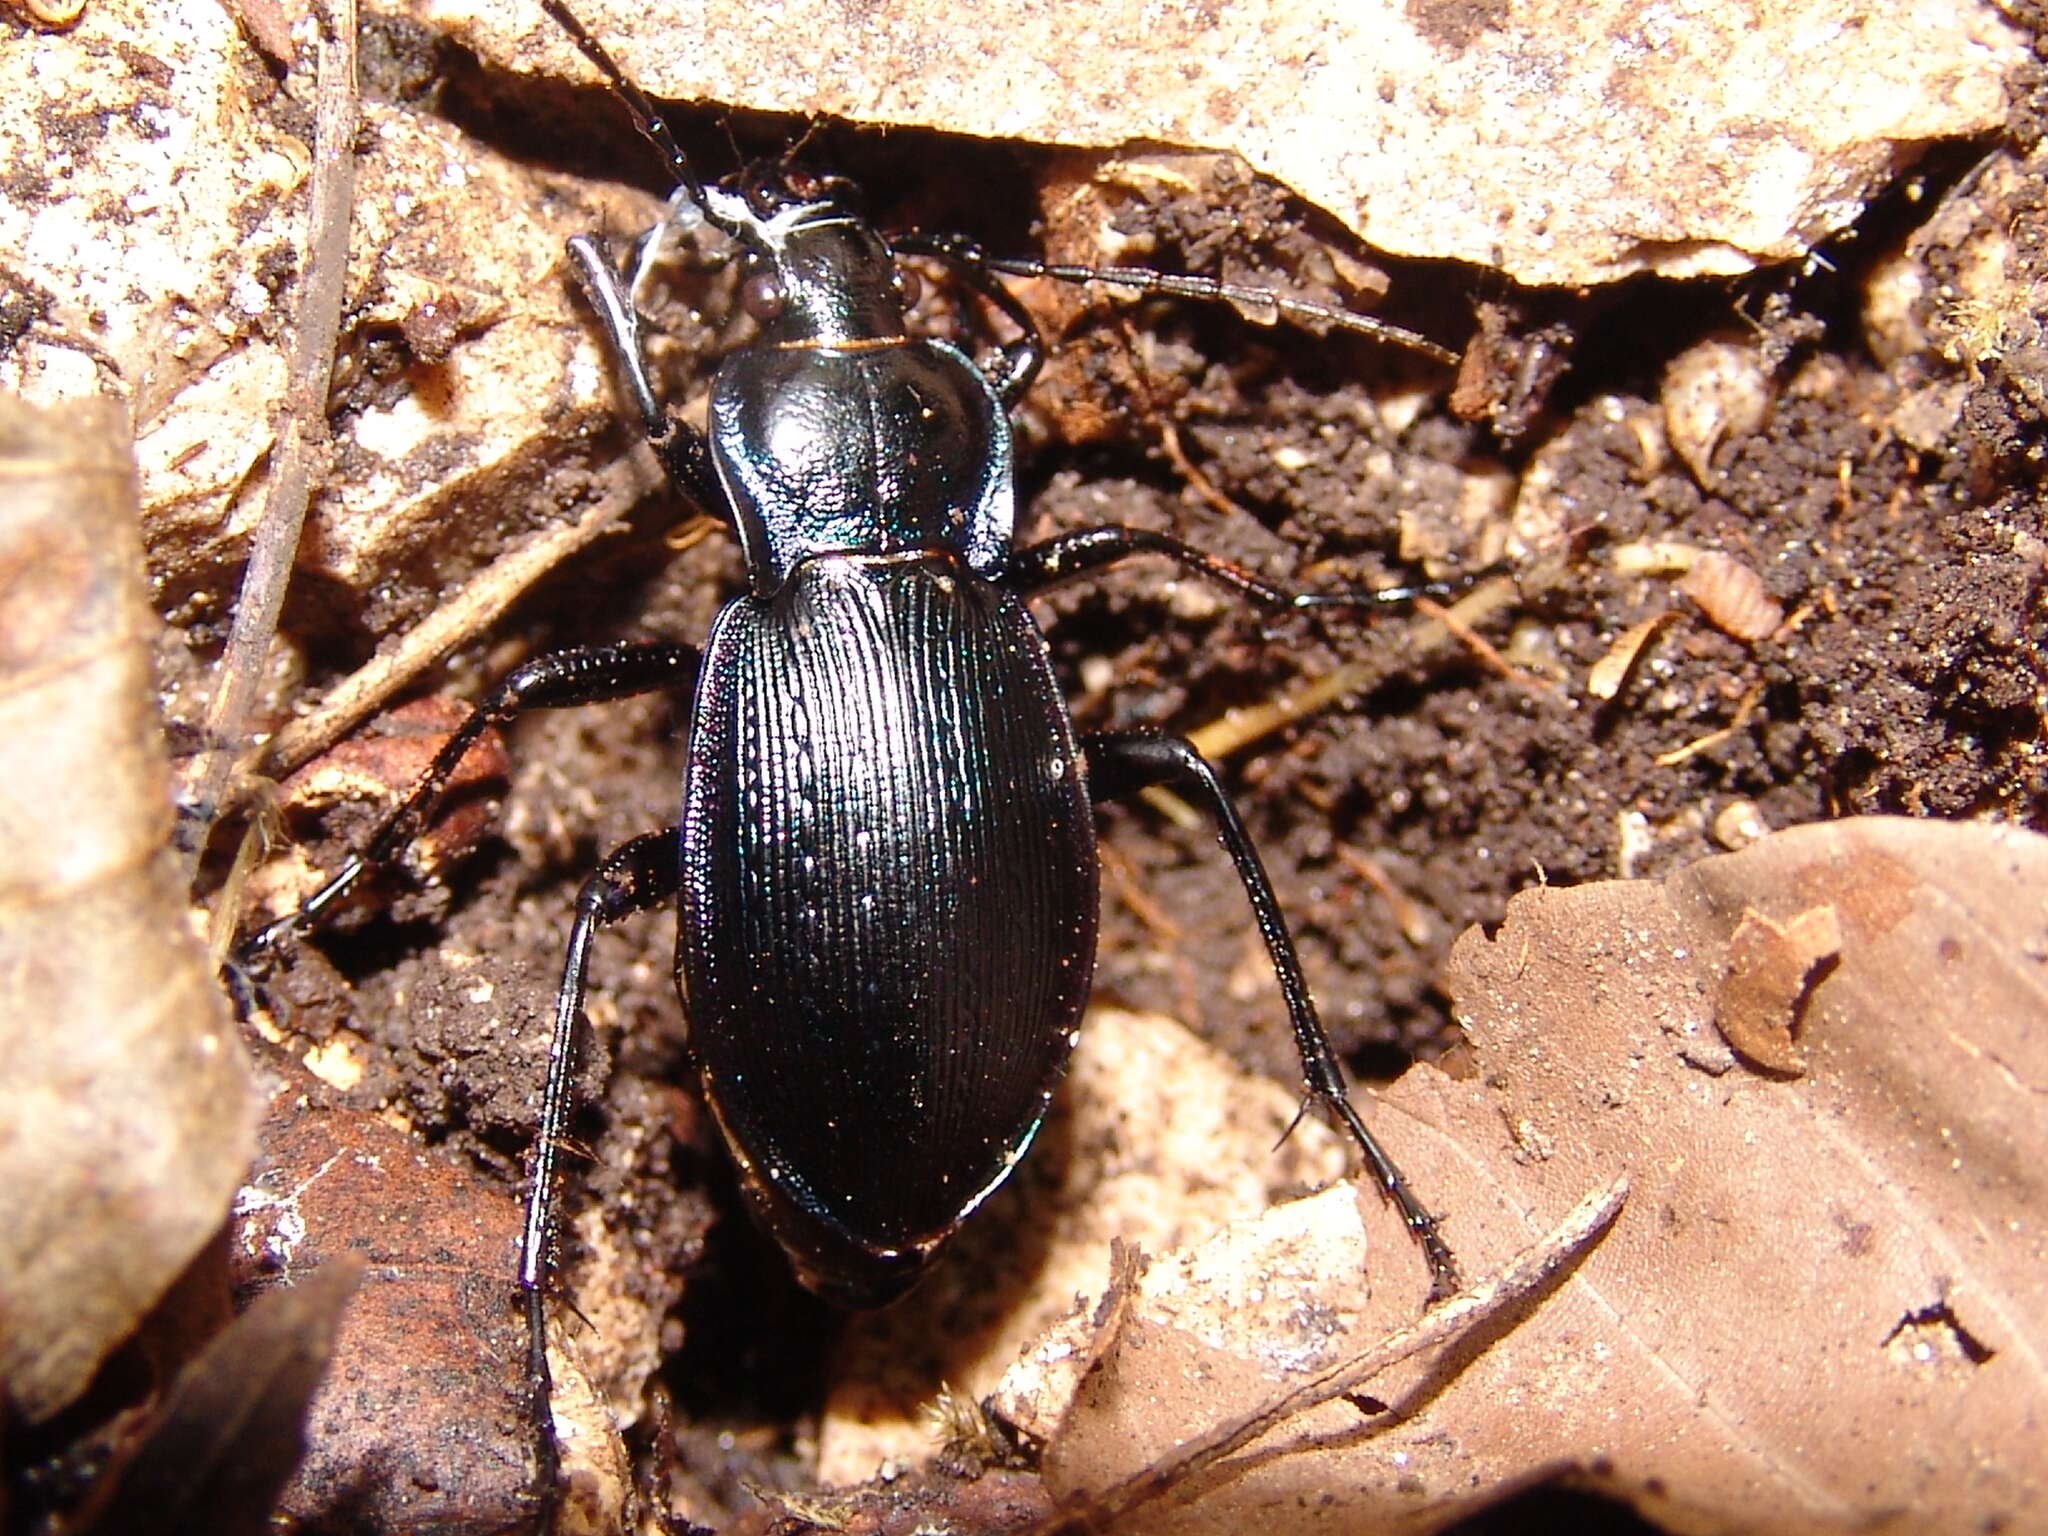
(1822, 1309)
(214, 1457)
(127, 1115)
(1183, 1326)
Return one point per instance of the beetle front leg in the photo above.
(1122, 764)
(680, 447)
(1088, 550)
(1023, 357)
(639, 876)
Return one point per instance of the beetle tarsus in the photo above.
(544, 1493)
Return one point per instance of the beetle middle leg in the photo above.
(558, 680)
(640, 875)
(1121, 764)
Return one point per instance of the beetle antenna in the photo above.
(652, 125)
(1262, 306)
(790, 153)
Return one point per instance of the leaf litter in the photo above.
(1821, 1309)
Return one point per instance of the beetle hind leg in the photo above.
(1122, 764)
(640, 875)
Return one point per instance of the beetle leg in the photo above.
(1121, 764)
(640, 875)
(681, 447)
(554, 681)
(682, 216)
(1087, 550)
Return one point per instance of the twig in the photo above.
(1528, 1274)
(1476, 643)
(1236, 729)
(1188, 470)
(303, 443)
(1743, 710)
(456, 617)
(1414, 921)
(1239, 728)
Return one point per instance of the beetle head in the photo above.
(816, 271)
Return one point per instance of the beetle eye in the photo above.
(761, 296)
(908, 288)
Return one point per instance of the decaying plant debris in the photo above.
(1773, 554)
(128, 1115)
(1802, 1283)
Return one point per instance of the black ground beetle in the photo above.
(885, 863)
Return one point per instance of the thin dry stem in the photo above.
(460, 615)
(303, 447)
(1529, 1273)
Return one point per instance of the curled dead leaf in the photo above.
(128, 1118)
(1771, 969)
(1716, 392)
(1605, 678)
(1732, 596)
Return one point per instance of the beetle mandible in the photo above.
(885, 866)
